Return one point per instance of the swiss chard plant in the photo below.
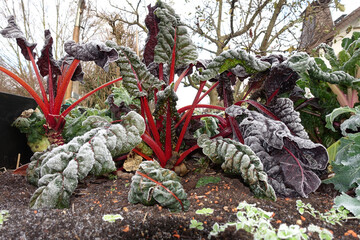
(57, 74)
(275, 154)
(56, 172)
(346, 163)
(333, 82)
(153, 184)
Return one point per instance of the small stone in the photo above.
(299, 222)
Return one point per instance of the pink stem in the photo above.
(168, 140)
(173, 58)
(235, 127)
(188, 118)
(183, 74)
(51, 89)
(156, 148)
(221, 119)
(28, 89)
(43, 92)
(60, 95)
(259, 107)
(151, 122)
(87, 95)
(208, 91)
(185, 154)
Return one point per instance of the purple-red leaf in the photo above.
(151, 23)
(13, 31)
(281, 79)
(98, 52)
(290, 161)
(66, 61)
(46, 59)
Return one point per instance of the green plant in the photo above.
(346, 163)
(195, 224)
(205, 211)
(203, 181)
(237, 158)
(56, 172)
(334, 216)
(153, 184)
(59, 74)
(331, 86)
(4, 214)
(112, 177)
(170, 131)
(258, 222)
(112, 217)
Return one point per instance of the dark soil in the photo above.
(96, 197)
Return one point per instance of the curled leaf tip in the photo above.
(46, 59)
(98, 52)
(12, 30)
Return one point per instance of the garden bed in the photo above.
(96, 197)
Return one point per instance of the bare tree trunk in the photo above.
(74, 87)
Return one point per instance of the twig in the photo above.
(145, 217)
(18, 161)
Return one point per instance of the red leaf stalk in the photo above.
(188, 118)
(158, 183)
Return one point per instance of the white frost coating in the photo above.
(58, 171)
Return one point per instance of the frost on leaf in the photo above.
(12, 30)
(47, 60)
(152, 184)
(289, 161)
(98, 52)
(164, 98)
(57, 171)
(231, 59)
(169, 22)
(302, 63)
(283, 108)
(137, 79)
(237, 158)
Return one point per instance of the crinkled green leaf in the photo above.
(164, 98)
(149, 191)
(330, 55)
(137, 80)
(344, 56)
(237, 158)
(74, 125)
(231, 59)
(57, 171)
(321, 63)
(168, 22)
(305, 65)
(210, 127)
(351, 64)
(31, 125)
